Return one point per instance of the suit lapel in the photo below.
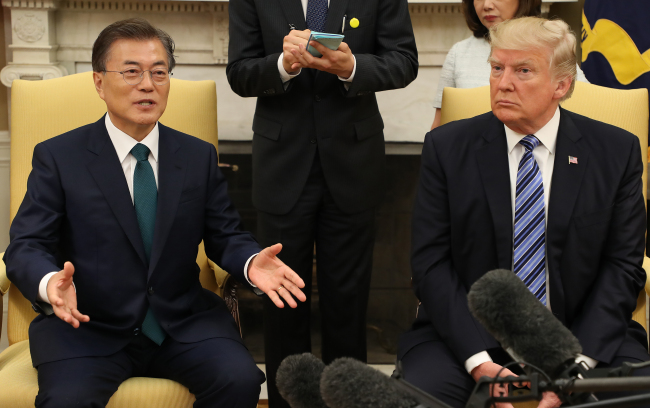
(294, 13)
(107, 171)
(335, 16)
(171, 174)
(565, 188)
(492, 160)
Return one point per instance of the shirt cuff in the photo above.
(42, 288)
(354, 71)
(246, 270)
(591, 363)
(284, 75)
(476, 360)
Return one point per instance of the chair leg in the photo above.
(230, 297)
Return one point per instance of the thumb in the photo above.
(273, 250)
(68, 270)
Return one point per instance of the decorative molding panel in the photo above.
(5, 143)
(30, 72)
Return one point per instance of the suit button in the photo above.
(150, 291)
(317, 98)
(136, 331)
(312, 141)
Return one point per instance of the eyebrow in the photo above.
(128, 62)
(492, 60)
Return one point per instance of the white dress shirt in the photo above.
(123, 144)
(285, 76)
(544, 155)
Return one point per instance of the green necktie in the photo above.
(145, 199)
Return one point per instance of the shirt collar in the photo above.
(547, 135)
(124, 143)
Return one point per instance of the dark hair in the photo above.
(130, 29)
(527, 8)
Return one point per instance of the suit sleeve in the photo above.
(225, 243)
(250, 72)
(394, 64)
(436, 284)
(34, 232)
(602, 325)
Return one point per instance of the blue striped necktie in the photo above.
(145, 200)
(316, 15)
(530, 222)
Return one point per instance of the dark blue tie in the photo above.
(145, 200)
(530, 222)
(316, 15)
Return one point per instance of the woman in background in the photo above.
(466, 64)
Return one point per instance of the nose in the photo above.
(505, 83)
(488, 5)
(147, 82)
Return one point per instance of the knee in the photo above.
(68, 397)
(245, 380)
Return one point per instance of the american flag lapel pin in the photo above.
(573, 160)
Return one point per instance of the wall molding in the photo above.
(5, 146)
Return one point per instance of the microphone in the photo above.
(526, 329)
(349, 383)
(298, 379)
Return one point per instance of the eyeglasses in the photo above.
(134, 76)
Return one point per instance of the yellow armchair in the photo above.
(627, 109)
(43, 109)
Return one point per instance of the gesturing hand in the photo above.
(339, 62)
(63, 297)
(491, 369)
(275, 278)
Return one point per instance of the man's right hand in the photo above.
(291, 42)
(491, 370)
(63, 298)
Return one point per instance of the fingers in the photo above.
(275, 298)
(294, 290)
(63, 313)
(286, 295)
(275, 249)
(80, 317)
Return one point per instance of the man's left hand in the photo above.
(339, 62)
(276, 279)
(549, 400)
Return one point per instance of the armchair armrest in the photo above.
(227, 291)
(4, 286)
(646, 268)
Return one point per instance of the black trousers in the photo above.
(432, 367)
(344, 247)
(219, 372)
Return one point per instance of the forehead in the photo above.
(537, 56)
(142, 52)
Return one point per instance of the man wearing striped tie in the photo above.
(549, 194)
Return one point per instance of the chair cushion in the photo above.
(18, 375)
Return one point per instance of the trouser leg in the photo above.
(344, 251)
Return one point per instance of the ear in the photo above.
(98, 78)
(562, 87)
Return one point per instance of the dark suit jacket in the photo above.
(463, 228)
(315, 112)
(78, 208)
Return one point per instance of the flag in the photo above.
(616, 43)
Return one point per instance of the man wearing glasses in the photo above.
(105, 242)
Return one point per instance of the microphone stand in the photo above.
(574, 385)
(424, 399)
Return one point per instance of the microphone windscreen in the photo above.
(522, 324)
(349, 383)
(298, 380)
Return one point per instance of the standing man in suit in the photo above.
(105, 242)
(552, 195)
(318, 151)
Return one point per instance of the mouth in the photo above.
(491, 18)
(505, 102)
(145, 103)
